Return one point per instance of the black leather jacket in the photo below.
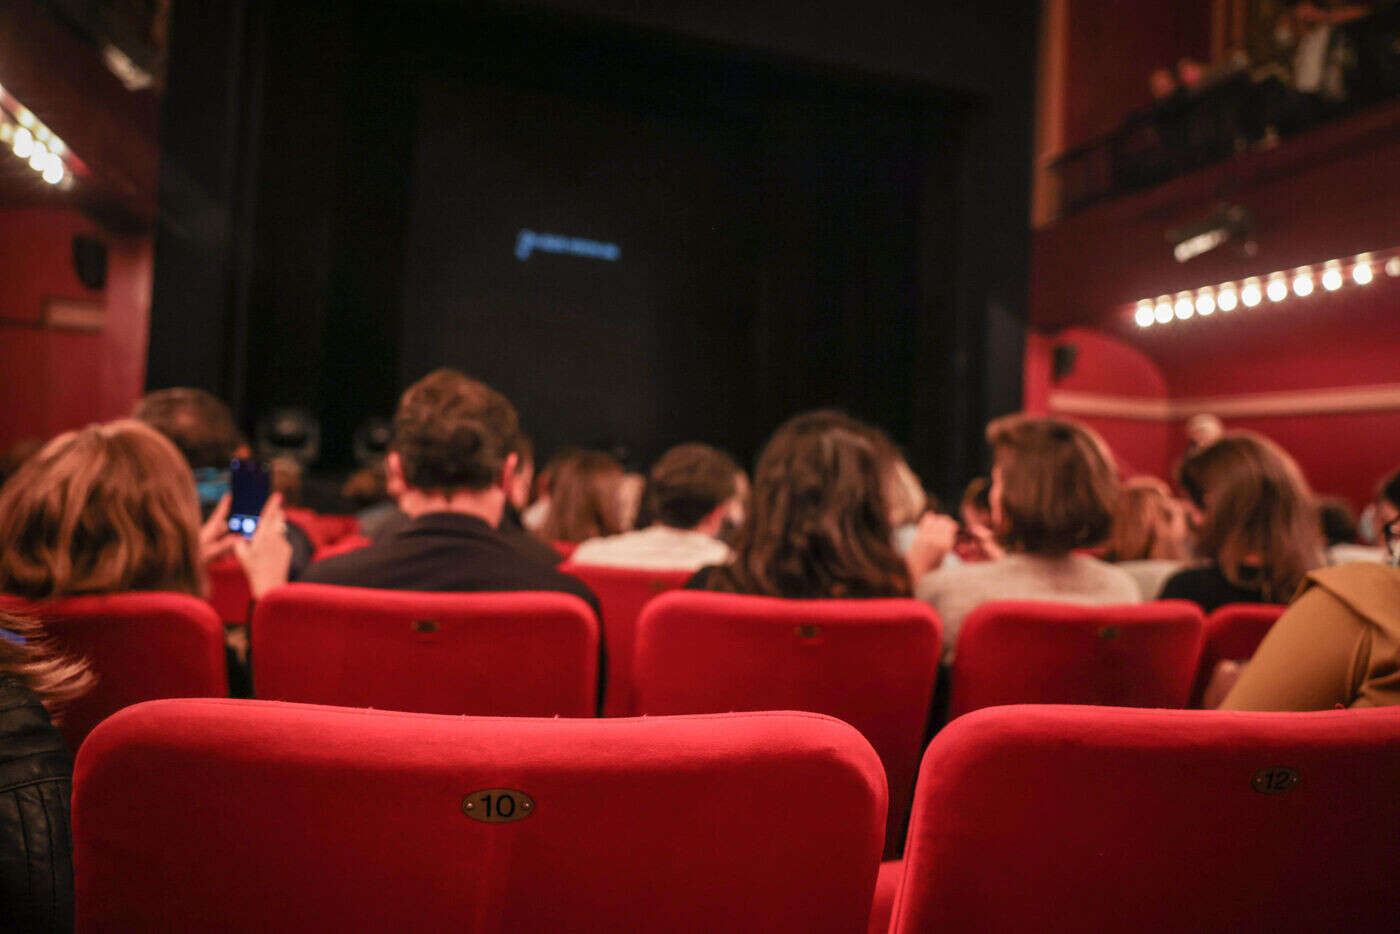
(36, 782)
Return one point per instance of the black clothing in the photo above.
(702, 579)
(389, 524)
(444, 551)
(1209, 588)
(36, 782)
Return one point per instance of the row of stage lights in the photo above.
(28, 138)
(1252, 291)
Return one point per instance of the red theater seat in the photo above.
(228, 590)
(622, 592)
(256, 816)
(1109, 819)
(141, 646)
(1233, 633)
(872, 663)
(1021, 652)
(493, 654)
(565, 549)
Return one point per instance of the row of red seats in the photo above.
(256, 815)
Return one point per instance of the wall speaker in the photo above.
(90, 262)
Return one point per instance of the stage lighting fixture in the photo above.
(1362, 273)
(1332, 277)
(1277, 289)
(1251, 294)
(1228, 299)
(1163, 311)
(1392, 266)
(1184, 308)
(1144, 317)
(24, 143)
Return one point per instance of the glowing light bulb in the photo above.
(53, 172)
(1205, 302)
(1250, 294)
(39, 157)
(1332, 277)
(1163, 311)
(1362, 273)
(1227, 299)
(1184, 307)
(25, 117)
(24, 143)
(1392, 266)
(1277, 289)
(1143, 316)
(1303, 283)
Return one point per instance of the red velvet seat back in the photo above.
(622, 592)
(492, 654)
(1232, 632)
(141, 646)
(872, 663)
(1111, 819)
(344, 545)
(228, 590)
(1023, 652)
(249, 815)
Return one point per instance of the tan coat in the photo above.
(1337, 645)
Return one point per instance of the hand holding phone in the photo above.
(250, 487)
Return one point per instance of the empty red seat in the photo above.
(258, 816)
(228, 590)
(1233, 632)
(141, 646)
(1111, 819)
(622, 592)
(494, 654)
(1023, 652)
(872, 663)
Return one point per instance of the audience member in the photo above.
(451, 457)
(585, 499)
(112, 508)
(202, 427)
(1053, 491)
(36, 772)
(1341, 531)
(1150, 538)
(976, 541)
(1203, 429)
(688, 494)
(908, 502)
(533, 516)
(818, 522)
(1256, 524)
(518, 496)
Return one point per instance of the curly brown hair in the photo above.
(818, 523)
(104, 509)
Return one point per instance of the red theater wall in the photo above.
(62, 377)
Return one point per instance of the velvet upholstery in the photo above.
(1232, 632)
(228, 590)
(258, 816)
(141, 646)
(622, 592)
(1031, 652)
(1070, 818)
(518, 653)
(872, 663)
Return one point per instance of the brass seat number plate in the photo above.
(498, 805)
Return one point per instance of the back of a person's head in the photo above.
(689, 482)
(1257, 512)
(1339, 525)
(585, 498)
(1145, 509)
(904, 493)
(1059, 485)
(199, 424)
(105, 509)
(453, 433)
(818, 523)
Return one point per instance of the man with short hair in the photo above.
(690, 492)
(452, 458)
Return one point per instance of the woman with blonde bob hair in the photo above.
(1256, 524)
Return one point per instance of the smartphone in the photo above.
(250, 487)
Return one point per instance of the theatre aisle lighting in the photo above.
(29, 139)
(1277, 287)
